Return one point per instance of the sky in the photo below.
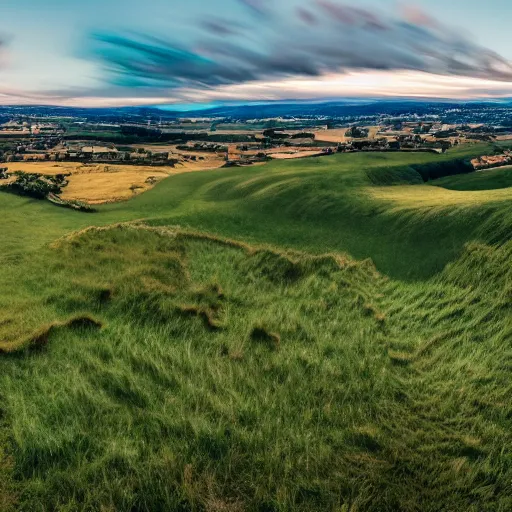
(128, 52)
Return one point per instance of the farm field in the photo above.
(294, 154)
(337, 135)
(103, 183)
(327, 334)
(333, 135)
(215, 160)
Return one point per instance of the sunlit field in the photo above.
(107, 183)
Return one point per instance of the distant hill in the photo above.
(340, 108)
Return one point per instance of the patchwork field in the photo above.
(323, 334)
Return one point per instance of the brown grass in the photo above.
(337, 135)
(372, 134)
(107, 187)
(41, 337)
(295, 154)
(106, 183)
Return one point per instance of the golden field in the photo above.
(103, 183)
(337, 135)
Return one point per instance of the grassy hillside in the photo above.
(210, 345)
(340, 203)
(485, 180)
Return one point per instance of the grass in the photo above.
(491, 179)
(327, 204)
(225, 354)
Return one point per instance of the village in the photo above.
(202, 143)
(40, 147)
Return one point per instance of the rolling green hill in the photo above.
(324, 334)
(484, 180)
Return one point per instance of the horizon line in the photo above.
(178, 107)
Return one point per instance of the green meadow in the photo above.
(325, 334)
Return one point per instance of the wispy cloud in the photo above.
(356, 84)
(3, 51)
(312, 39)
(264, 50)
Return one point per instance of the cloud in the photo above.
(356, 84)
(310, 39)
(260, 7)
(3, 53)
(353, 84)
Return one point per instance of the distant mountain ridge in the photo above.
(345, 108)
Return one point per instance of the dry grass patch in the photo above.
(105, 187)
(373, 130)
(335, 135)
(296, 154)
(106, 183)
(99, 183)
(41, 337)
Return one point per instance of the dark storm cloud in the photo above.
(314, 38)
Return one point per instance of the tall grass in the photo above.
(149, 366)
